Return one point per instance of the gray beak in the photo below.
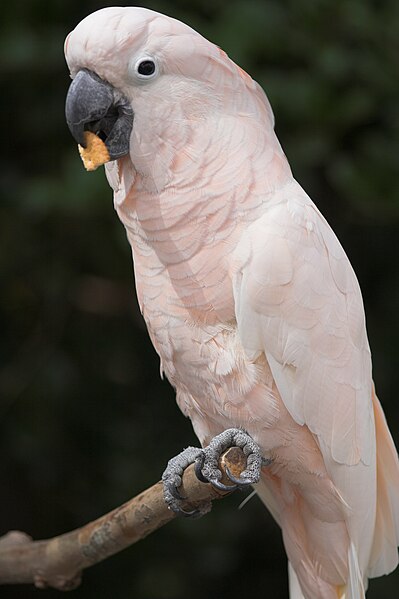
(92, 104)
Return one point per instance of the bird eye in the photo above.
(146, 67)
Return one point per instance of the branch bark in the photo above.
(59, 562)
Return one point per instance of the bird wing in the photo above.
(298, 301)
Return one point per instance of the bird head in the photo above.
(146, 84)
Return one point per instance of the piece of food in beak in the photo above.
(95, 153)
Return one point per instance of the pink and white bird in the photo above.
(249, 298)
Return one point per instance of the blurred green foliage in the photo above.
(85, 420)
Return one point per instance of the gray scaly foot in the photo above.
(207, 468)
(172, 479)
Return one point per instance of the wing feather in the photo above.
(298, 301)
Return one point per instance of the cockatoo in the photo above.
(249, 298)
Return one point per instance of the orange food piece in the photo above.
(95, 153)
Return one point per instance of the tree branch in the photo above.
(59, 562)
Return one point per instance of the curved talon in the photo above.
(239, 482)
(221, 486)
(176, 494)
(199, 462)
(181, 512)
(190, 514)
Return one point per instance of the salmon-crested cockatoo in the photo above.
(249, 298)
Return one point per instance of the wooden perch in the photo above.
(58, 562)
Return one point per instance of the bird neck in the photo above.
(183, 237)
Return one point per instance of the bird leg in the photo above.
(207, 468)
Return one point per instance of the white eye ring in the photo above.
(146, 68)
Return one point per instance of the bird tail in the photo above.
(353, 590)
(293, 583)
(384, 553)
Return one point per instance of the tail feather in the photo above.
(355, 588)
(384, 553)
(293, 583)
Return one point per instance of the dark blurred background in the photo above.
(86, 421)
